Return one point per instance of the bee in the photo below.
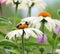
(22, 26)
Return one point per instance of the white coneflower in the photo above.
(27, 3)
(27, 32)
(31, 6)
(37, 3)
(49, 23)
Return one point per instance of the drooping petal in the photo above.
(12, 34)
(33, 34)
(57, 22)
(40, 38)
(28, 19)
(50, 25)
(45, 38)
(56, 30)
(27, 33)
(36, 30)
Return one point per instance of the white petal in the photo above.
(28, 19)
(27, 33)
(48, 19)
(38, 25)
(20, 32)
(31, 20)
(12, 34)
(36, 22)
(40, 18)
(15, 0)
(34, 34)
(57, 22)
(58, 51)
(37, 31)
(50, 24)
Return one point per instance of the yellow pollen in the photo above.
(44, 14)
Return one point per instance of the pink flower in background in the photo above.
(57, 30)
(2, 1)
(40, 38)
(9, 2)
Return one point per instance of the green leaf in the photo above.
(56, 42)
(2, 51)
(34, 44)
(6, 42)
(1, 33)
(51, 41)
(5, 20)
(13, 51)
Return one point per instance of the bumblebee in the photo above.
(22, 26)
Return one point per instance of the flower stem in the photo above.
(29, 11)
(15, 15)
(27, 52)
(42, 48)
(53, 50)
(0, 10)
(17, 43)
(43, 32)
(23, 42)
(16, 9)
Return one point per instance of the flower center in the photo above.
(44, 14)
(22, 26)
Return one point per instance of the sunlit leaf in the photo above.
(1, 33)
(51, 41)
(8, 43)
(13, 51)
(5, 20)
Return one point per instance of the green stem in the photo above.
(17, 43)
(16, 9)
(41, 52)
(23, 42)
(53, 50)
(0, 10)
(15, 15)
(42, 48)
(29, 11)
(43, 32)
(42, 27)
(27, 52)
